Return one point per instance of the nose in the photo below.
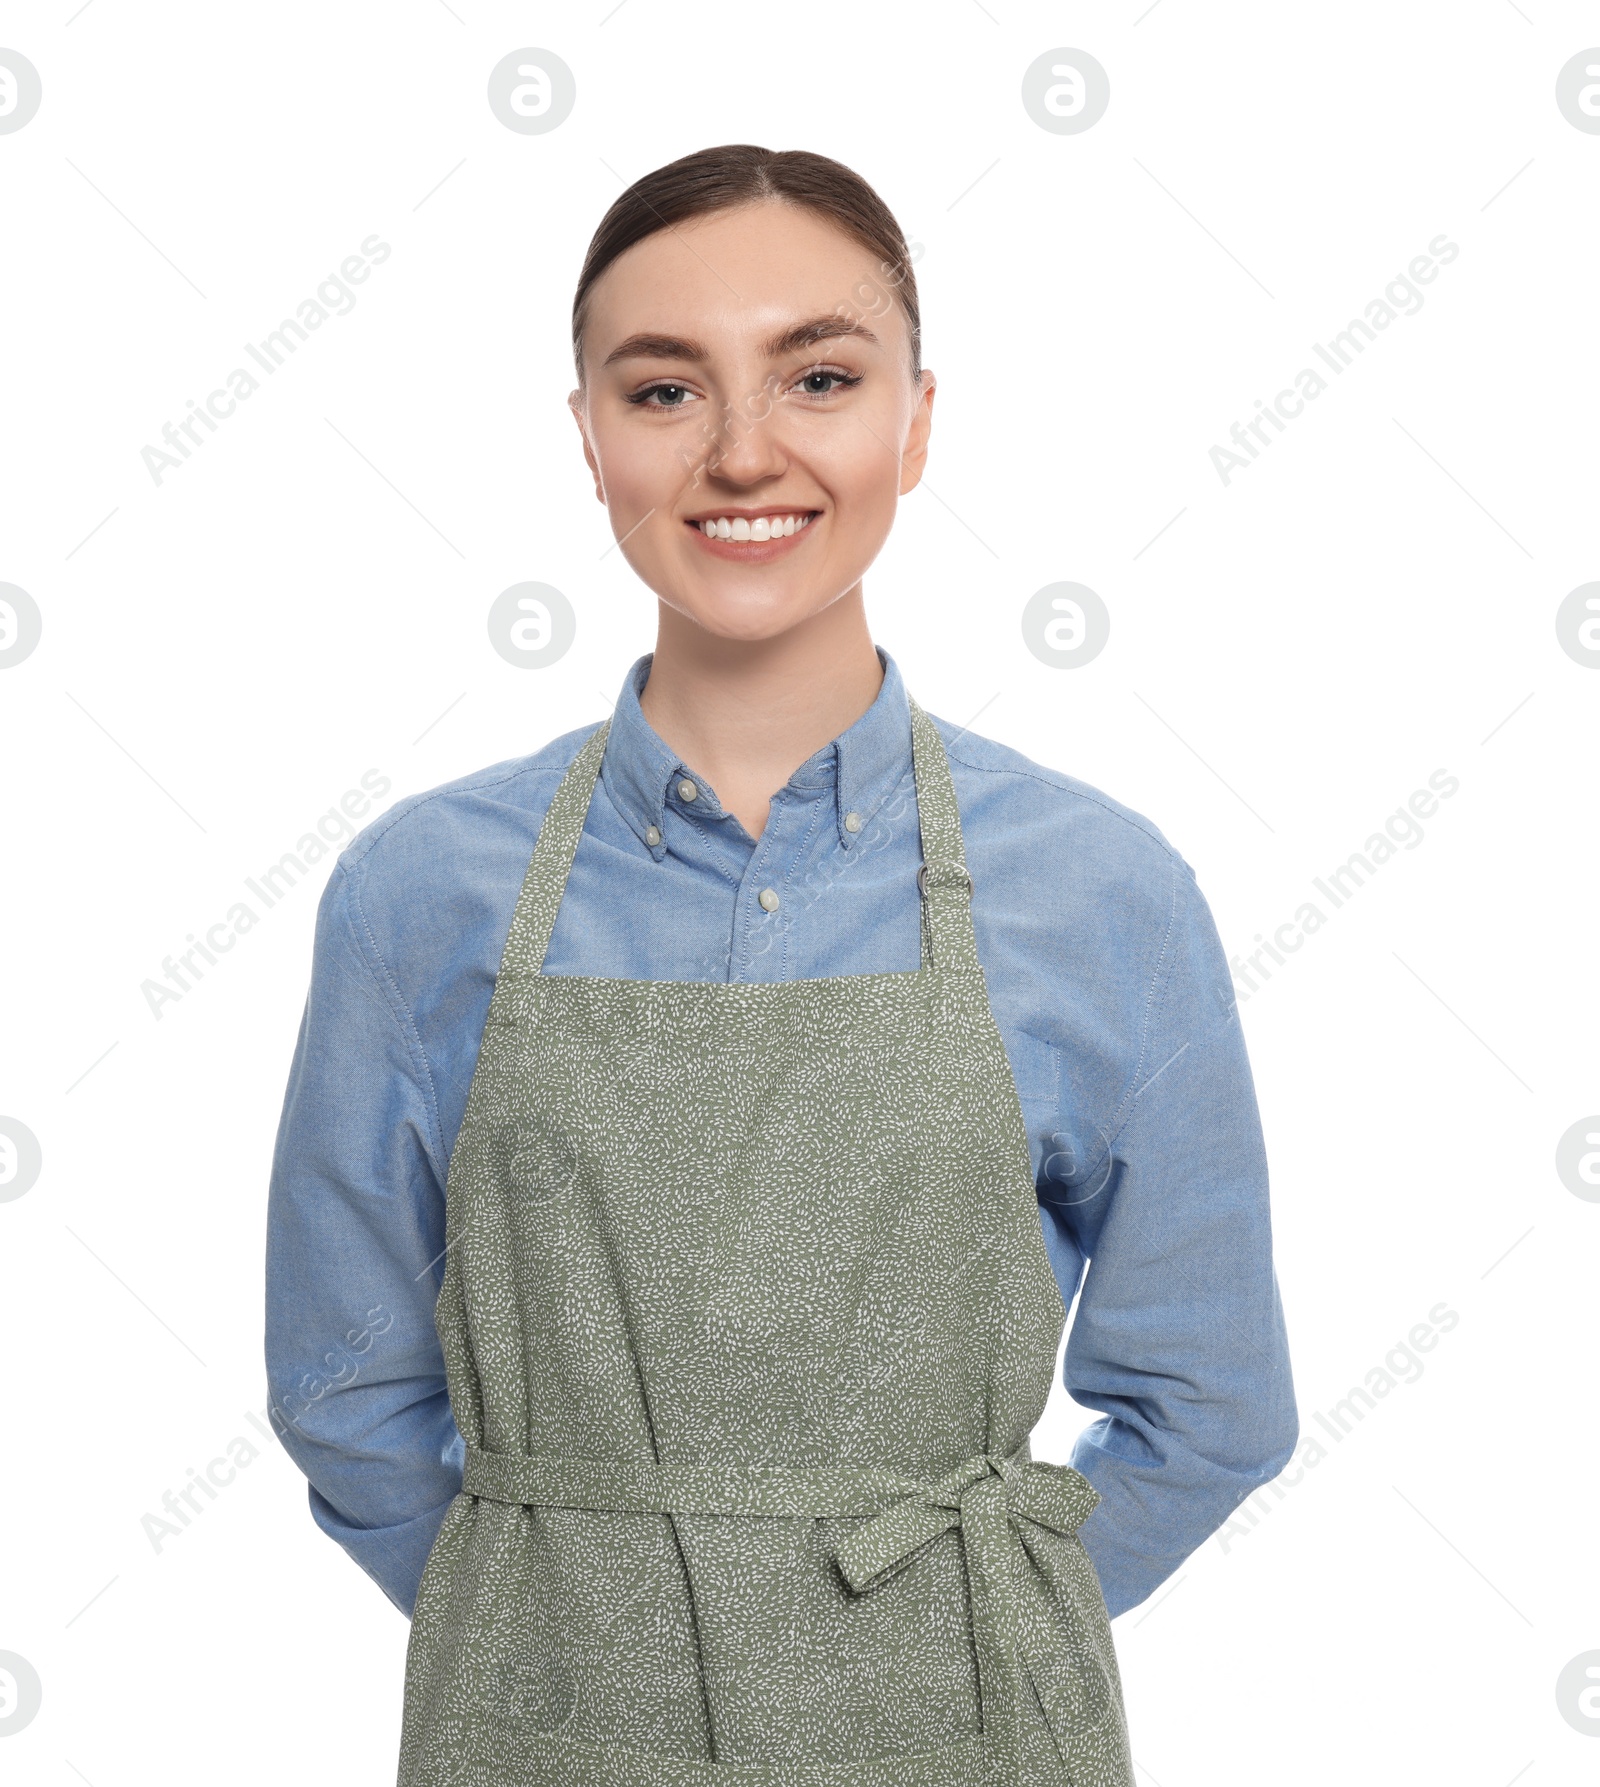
(746, 444)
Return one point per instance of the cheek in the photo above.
(643, 467)
(858, 465)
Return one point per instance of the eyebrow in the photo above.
(787, 341)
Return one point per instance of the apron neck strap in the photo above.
(553, 851)
(943, 881)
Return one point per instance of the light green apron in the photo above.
(747, 1319)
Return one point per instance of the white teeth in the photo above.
(764, 527)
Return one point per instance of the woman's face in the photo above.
(751, 368)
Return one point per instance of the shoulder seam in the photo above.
(405, 808)
(1082, 794)
(365, 943)
(1155, 1000)
(1161, 975)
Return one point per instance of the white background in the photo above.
(1374, 599)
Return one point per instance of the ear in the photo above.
(914, 455)
(575, 404)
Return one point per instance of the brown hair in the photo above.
(739, 174)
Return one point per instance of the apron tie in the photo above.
(983, 1497)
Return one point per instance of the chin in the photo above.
(748, 609)
(747, 619)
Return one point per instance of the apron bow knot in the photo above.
(1050, 1495)
(984, 1497)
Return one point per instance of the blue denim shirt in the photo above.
(1113, 999)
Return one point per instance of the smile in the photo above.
(751, 538)
(759, 527)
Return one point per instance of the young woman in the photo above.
(700, 1127)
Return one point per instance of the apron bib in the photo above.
(747, 1320)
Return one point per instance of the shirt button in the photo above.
(687, 790)
(769, 899)
(652, 835)
(852, 822)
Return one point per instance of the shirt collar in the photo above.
(859, 767)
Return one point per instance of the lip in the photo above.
(751, 552)
(734, 510)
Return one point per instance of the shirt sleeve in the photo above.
(355, 1235)
(1179, 1337)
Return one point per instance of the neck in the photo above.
(746, 713)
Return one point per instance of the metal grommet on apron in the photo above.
(747, 1320)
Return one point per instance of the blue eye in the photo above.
(672, 402)
(839, 381)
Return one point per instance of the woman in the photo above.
(786, 1054)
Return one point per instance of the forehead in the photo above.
(738, 276)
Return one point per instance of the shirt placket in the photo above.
(763, 916)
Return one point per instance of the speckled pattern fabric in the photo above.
(749, 1495)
